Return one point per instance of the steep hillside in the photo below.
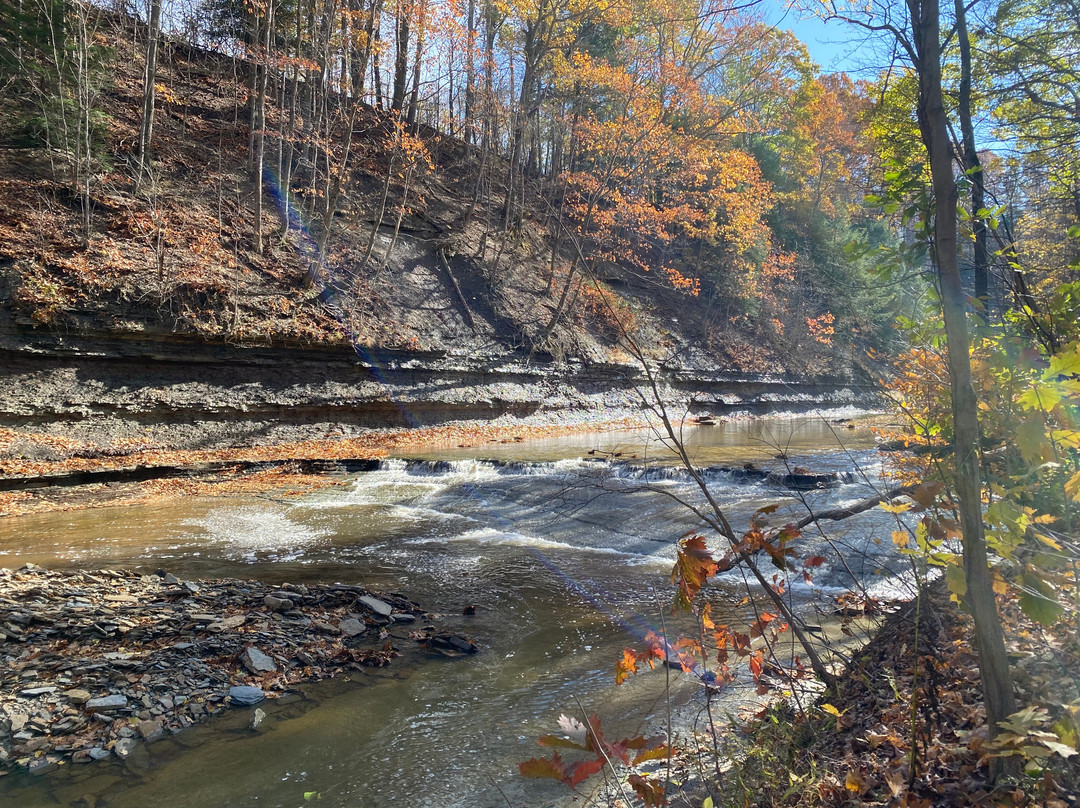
(433, 269)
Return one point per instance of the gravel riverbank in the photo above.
(97, 664)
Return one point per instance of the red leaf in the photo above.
(693, 567)
(582, 770)
(650, 792)
(552, 768)
(558, 740)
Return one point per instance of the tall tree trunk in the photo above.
(470, 70)
(973, 168)
(933, 125)
(260, 123)
(414, 97)
(146, 131)
(376, 71)
(491, 30)
(401, 56)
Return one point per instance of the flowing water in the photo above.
(565, 554)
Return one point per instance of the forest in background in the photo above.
(248, 170)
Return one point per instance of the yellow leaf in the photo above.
(855, 782)
(1053, 545)
(899, 507)
(1000, 585)
(1072, 487)
(831, 710)
(900, 539)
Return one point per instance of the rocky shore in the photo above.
(98, 664)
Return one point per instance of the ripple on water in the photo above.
(253, 533)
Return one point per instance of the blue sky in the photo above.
(835, 46)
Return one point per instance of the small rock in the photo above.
(171, 579)
(151, 730)
(257, 717)
(190, 586)
(97, 753)
(245, 696)
(380, 607)
(125, 746)
(277, 604)
(18, 721)
(42, 766)
(403, 617)
(350, 627)
(256, 661)
(77, 696)
(107, 703)
(30, 692)
(228, 623)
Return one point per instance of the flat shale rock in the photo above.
(99, 663)
(257, 662)
(245, 695)
(380, 607)
(107, 704)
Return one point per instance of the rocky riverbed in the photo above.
(98, 664)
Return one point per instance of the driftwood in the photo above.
(836, 514)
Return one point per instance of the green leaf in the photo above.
(1074, 231)
(1031, 440)
(955, 580)
(312, 795)
(1065, 364)
(1040, 399)
(1038, 600)
(708, 803)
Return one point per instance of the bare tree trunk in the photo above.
(973, 168)
(470, 71)
(933, 124)
(376, 71)
(146, 131)
(414, 98)
(490, 32)
(260, 122)
(403, 11)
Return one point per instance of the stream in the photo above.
(565, 555)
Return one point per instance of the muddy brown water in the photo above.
(565, 554)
